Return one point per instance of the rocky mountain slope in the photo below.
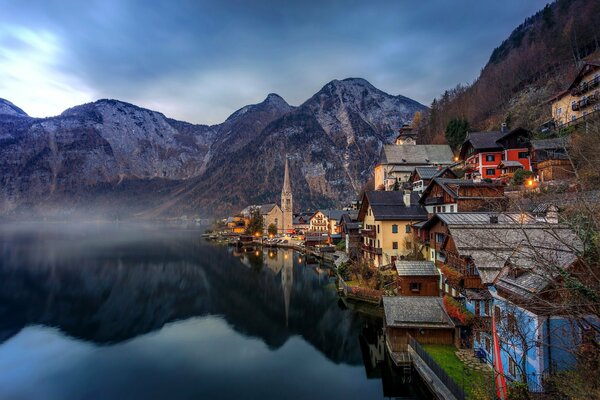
(119, 160)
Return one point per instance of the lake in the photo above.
(151, 311)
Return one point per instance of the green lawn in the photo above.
(475, 381)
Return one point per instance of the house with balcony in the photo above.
(550, 159)
(326, 221)
(398, 161)
(422, 176)
(580, 99)
(386, 218)
(349, 228)
(301, 222)
(444, 195)
(483, 152)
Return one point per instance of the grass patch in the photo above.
(475, 381)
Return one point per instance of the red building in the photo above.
(484, 152)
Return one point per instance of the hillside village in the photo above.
(481, 248)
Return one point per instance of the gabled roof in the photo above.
(550, 144)
(420, 154)
(430, 172)
(415, 312)
(330, 214)
(266, 208)
(490, 140)
(452, 187)
(479, 218)
(389, 206)
(416, 268)
(588, 67)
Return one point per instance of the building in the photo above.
(483, 152)
(422, 176)
(386, 218)
(236, 224)
(398, 161)
(550, 159)
(423, 318)
(349, 228)
(271, 215)
(302, 222)
(417, 278)
(581, 98)
(287, 221)
(444, 195)
(326, 221)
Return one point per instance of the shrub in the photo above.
(457, 311)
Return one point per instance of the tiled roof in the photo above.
(389, 205)
(451, 186)
(421, 154)
(550, 144)
(416, 268)
(415, 311)
(431, 172)
(485, 140)
(266, 208)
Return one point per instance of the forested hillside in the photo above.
(537, 60)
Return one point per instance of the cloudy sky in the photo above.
(201, 60)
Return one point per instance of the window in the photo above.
(487, 307)
(489, 157)
(394, 228)
(377, 228)
(451, 208)
(488, 345)
(490, 171)
(478, 336)
(443, 208)
(439, 237)
(414, 287)
(395, 245)
(558, 111)
(407, 229)
(573, 117)
(523, 154)
(512, 367)
(477, 308)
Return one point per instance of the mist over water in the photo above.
(103, 310)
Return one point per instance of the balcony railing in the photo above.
(370, 233)
(585, 86)
(371, 249)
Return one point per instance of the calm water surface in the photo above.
(106, 311)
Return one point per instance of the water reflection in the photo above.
(98, 311)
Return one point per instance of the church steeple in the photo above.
(286, 200)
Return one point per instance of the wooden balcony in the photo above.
(371, 249)
(482, 323)
(434, 200)
(472, 282)
(370, 233)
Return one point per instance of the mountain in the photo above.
(116, 159)
(537, 60)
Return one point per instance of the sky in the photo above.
(200, 60)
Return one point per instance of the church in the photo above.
(287, 219)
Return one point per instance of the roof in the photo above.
(416, 268)
(430, 172)
(480, 218)
(585, 69)
(535, 246)
(389, 205)
(266, 208)
(550, 144)
(452, 186)
(420, 154)
(510, 163)
(487, 140)
(415, 311)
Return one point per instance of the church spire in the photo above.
(287, 187)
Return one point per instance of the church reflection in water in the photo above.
(108, 286)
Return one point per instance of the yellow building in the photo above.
(386, 218)
(581, 98)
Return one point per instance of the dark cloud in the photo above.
(201, 60)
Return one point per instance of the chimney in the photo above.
(504, 127)
(407, 198)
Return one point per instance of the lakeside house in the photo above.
(325, 221)
(386, 218)
(417, 278)
(496, 154)
(301, 222)
(349, 228)
(462, 195)
(423, 318)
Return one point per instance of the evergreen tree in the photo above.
(256, 222)
(456, 132)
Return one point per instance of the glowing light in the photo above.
(257, 253)
(455, 158)
(530, 182)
